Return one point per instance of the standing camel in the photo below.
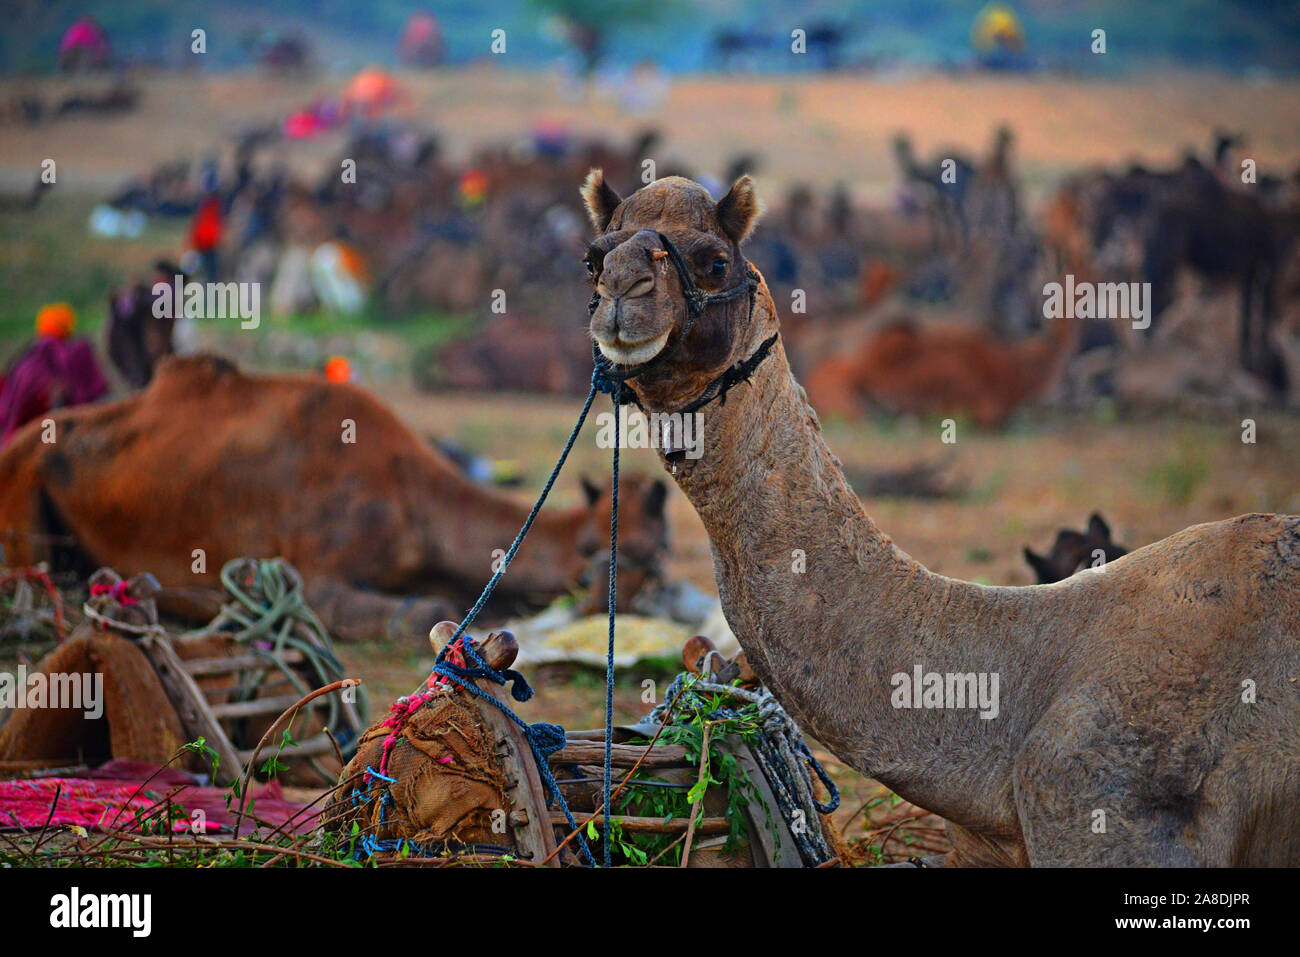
(1145, 712)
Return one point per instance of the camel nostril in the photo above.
(613, 288)
(642, 287)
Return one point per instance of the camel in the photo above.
(208, 458)
(1157, 224)
(942, 189)
(1074, 550)
(1147, 712)
(136, 337)
(943, 370)
(994, 201)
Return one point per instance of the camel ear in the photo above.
(739, 210)
(1098, 529)
(600, 199)
(591, 491)
(654, 503)
(1043, 569)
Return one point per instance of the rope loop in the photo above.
(520, 689)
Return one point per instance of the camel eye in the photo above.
(591, 267)
(718, 269)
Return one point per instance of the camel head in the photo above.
(642, 541)
(1074, 550)
(640, 310)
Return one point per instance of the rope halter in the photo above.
(612, 378)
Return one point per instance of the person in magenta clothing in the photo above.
(55, 371)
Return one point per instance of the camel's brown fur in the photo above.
(209, 458)
(1148, 710)
(942, 371)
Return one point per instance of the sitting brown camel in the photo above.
(208, 464)
(1146, 714)
(942, 370)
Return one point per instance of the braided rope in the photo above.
(779, 749)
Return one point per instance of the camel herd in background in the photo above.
(932, 304)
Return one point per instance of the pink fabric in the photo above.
(84, 34)
(89, 804)
(110, 795)
(53, 373)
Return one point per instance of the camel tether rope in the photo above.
(460, 663)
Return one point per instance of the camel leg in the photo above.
(1245, 322)
(351, 614)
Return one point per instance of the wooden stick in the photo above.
(190, 704)
(659, 825)
(593, 752)
(698, 805)
(288, 712)
(221, 666)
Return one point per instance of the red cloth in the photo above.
(110, 795)
(206, 231)
(50, 374)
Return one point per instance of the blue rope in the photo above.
(532, 515)
(613, 603)
(545, 739)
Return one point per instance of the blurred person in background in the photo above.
(55, 371)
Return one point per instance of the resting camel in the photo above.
(209, 458)
(943, 370)
(1147, 711)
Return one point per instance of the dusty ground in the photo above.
(804, 128)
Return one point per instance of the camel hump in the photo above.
(187, 371)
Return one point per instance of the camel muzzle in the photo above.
(637, 355)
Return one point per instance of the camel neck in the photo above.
(829, 610)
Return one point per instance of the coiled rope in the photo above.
(269, 615)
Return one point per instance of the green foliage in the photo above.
(720, 769)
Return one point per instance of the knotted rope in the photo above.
(544, 739)
(778, 747)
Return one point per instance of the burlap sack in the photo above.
(448, 781)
